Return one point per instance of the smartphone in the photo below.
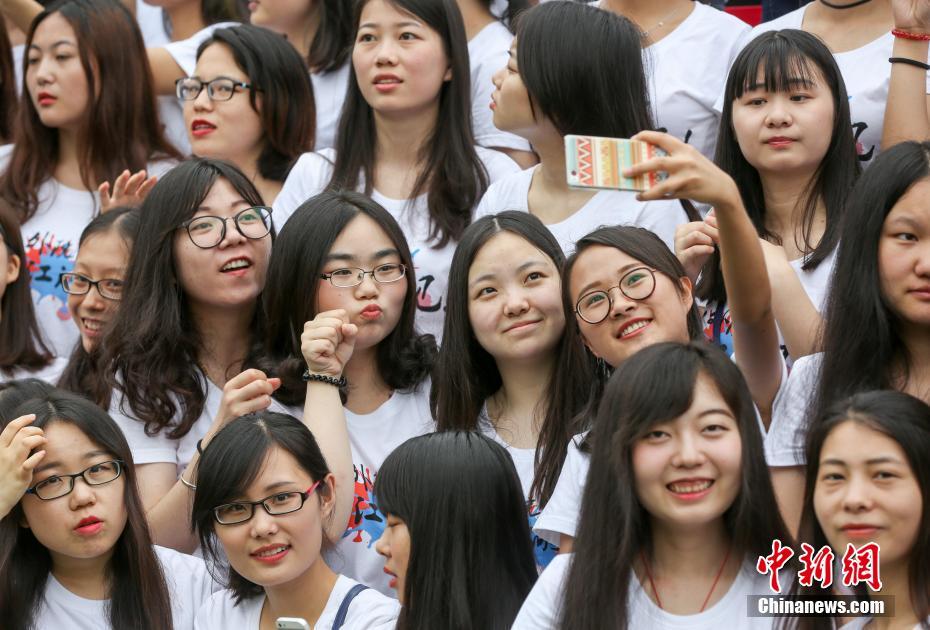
(291, 623)
(593, 162)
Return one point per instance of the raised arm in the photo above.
(327, 344)
(17, 441)
(907, 110)
(755, 338)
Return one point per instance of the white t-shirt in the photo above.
(189, 586)
(159, 448)
(170, 108)
(488, 53)
(541, 610)
(784, 442)
(867, 74)
(606, 207)
(372, 438)
(524, 460)
(329, 94)
(687, 71)
(560, 516)
(861, 623)
(50, 373)
(151, 21)
(311, 175)
(369, 610)
(51, 239)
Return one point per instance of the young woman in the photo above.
(879, 287)
(488, 45)
(509, 365)
(452, 566)
(784, 138)
(187, 323)
(250, 102)
(95, 289)
(859, 36)
(688, 50)
(406, 139)
(265, 494)
(558, 56)
(677, 459)
(341, 266)
(628, 292)
(88, 113)
(22, 352)
(75, 551)
(321, 32)
(867, 471)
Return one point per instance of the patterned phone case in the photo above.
(592, 162)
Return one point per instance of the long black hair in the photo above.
(9, 99)
(471, 562)
(466, 374)
(151, 350)
(290, 298)
(229, 466)
(451, 175)
(560, 56)
(139, 596)
(82, 374)
(906, 420)
(21, 344)
(278, 74)
(614, 526)
(333, 40)
(784, 57)
(853, 362)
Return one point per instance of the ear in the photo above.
(12, 268)
(686, 289)
(448, 75)
(328, 496)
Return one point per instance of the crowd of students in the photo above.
(300, 318)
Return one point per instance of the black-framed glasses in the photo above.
(60, 485)
(353, 276)
(79, 284)
(209, 231)
(219, 89)
(276, 505)
(636, 284)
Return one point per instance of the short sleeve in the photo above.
(560, 516)
(540, 610)
(784, 442)
(309, 177)
(146, 449)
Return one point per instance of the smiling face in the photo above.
(688, 470)
(904, 258)
(866, 491)
(373, 306)
(394, 545)
(783, 132)
(232, 274)
(101, 257)
(58, 87)
(229, 130)
(273, 550)
(82, 525)
(631, 324)
(510, 100)
(514, 300)
(400, 62)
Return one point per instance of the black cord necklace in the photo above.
(844, 6)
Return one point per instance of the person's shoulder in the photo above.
(794, 19)
(176, 562)
(719, 23)
(489, 39)
(221, 611)
(369, 610)
(6, 152)
(498, 164)
(508, 192)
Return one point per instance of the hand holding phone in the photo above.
(594, 162)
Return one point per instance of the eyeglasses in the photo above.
(79, 284)
(275, 505)
(59, 485)
(219, 89)
(353, 276)
(637, 284)
(209, 231)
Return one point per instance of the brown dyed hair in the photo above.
(120, 128)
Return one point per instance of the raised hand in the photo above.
(17, 441)
(911, 15)
(128, 190)
(247, 392)
(327, 343)
(694, 243)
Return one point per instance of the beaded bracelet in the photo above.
(919, 37)
(322, 378)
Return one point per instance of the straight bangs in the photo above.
(774, 65)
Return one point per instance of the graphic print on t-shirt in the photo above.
(426, 302)
(366, 522)
(544, 550)
(46, 258)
